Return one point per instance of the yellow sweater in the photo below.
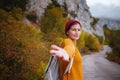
(76, 72)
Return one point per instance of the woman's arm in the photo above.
(59, 52)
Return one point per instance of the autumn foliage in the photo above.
(88, 42)
(22, 54)
(113, 40)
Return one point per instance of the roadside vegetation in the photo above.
(113, 40)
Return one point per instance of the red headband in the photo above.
(68, 24)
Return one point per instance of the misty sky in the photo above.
(105, 8)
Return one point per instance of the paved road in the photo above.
(96, 67)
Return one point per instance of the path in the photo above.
(96, 67)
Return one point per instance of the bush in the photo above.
(15, 15)
(81, 41)
(23, 56)
(107, 34)
(113, 40)
(32, 16)
(52, 24)
(73, 14)
(112, 57)
(95, 20)
(92, 42)
(101, 39)
(53, 18)
(89, 42)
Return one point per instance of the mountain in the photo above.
(80, 9)
(112, 24)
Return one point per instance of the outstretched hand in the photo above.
(59, 52)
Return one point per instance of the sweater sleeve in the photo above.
(68, 46)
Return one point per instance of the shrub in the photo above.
(101, 39)
(107, 34)
(52, 24)
(113, 40)
(92, 42)
(73, 14)
(53, 18)
(113, 57)
(23, 56)
(32, 16)
(15, 15)
(81, 41)
(95, 20)
(89, 42)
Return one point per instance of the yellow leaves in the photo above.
(21, 46)
(89, 41)
(53, 18)
(92, 42)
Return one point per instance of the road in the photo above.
(97, 67)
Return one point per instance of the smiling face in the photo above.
(74, 32)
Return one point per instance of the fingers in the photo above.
(54, 47)
(59, 52)
(55, 50)
(65, 56)
(56, 53)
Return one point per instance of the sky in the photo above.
(105, 8)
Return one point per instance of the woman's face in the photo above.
(74, 32)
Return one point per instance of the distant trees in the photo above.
(113, 40)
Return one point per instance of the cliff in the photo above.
(80, 9)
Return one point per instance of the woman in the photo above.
(67, 50)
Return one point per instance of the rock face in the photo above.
(80, 8)
(112, 24)
(37, 6)
(84, 16)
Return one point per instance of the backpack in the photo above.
(52, 70)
